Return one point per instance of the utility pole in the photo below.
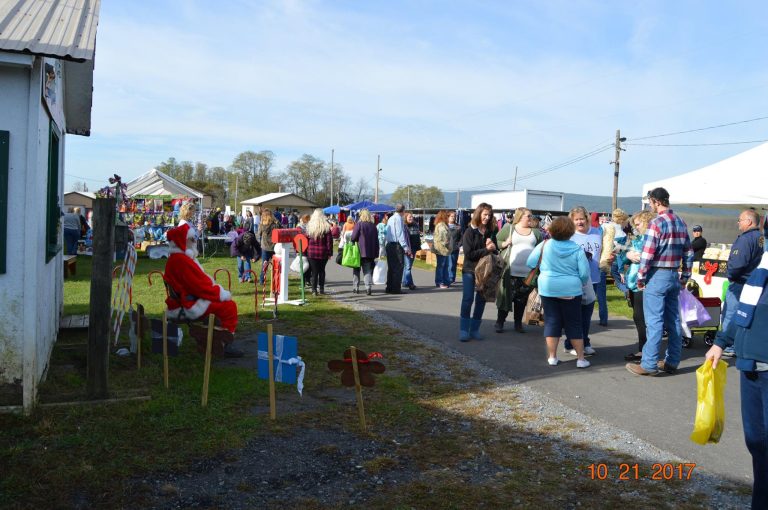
(332, 176)
(237, 178)
(514, 182)
(458, 193)
(378, 171)
(615, 163)
(409, 195)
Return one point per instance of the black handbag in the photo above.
(339, 256)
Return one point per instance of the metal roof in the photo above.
(64, 29)
(282, 199)
(156, 182)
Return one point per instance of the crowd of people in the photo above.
(563, 262)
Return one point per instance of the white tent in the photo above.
(734, 183)
(156, 182)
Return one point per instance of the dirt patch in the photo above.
(308, 467)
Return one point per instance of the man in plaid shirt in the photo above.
(667, 247)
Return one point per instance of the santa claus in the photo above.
(193, 293)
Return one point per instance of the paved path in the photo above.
(659, 409)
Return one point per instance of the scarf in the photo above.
(750, 295)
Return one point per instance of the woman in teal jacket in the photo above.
(563, 272)
(628, 269)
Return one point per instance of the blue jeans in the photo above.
(407, 265)
(602, 299)
(661, 306)
(243, 266)
(730, 306)
(454, 258)
(617, 278)
(586, 319)
(71, 236)
(754, 417)
(468, 295)
(266, 256)
(442, 276)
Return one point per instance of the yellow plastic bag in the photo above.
(710, 407)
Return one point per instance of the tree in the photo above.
(79, 186)
(170, 168)
(361, 190)
(305, 177)
(201, 171)
(255, 170)
(419, 196)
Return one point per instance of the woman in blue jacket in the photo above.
(563, 272)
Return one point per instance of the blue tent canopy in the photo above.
(333, 209)
(371, 206)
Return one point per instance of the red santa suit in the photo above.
(196, 293)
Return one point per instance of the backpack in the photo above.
(488, 272)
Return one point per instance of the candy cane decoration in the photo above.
(255, 279)
(122, 300)
(149, 277)
(229, 276)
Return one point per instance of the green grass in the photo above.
(92, 446)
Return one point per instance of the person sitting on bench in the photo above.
(193, 294)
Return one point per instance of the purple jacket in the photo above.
(366, 235)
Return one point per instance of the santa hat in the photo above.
(179, 237)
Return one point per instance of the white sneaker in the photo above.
(572, 352)
(588, 350)
(553, 361)
(582, 363)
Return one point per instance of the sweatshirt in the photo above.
(564, 268)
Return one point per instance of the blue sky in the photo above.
(451, 94)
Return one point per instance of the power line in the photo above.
(87, 179)
(693, 144)
(701, 129)
(536, 173)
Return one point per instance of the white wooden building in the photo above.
(46, 88)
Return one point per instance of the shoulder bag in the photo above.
(533, 275)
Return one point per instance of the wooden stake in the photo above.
(271, 361)
(165, 349)
(358, 388)
(139, 333)
(207, 370)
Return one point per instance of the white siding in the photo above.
(31, 291)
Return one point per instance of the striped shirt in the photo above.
(666, 245)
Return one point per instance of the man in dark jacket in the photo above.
(746, 332)
(746, 253)
(698, 243)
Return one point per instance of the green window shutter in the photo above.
(53, 223)
(5, 137)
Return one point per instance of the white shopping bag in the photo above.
(295, 265)
(380, 273)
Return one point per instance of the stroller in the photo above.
(710, 327)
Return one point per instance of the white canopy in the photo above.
(733, 183)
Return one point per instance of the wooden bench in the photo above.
(70, 265)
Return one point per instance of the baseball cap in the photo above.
(658, 194)
(697, 228)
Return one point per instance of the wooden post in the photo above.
(139, 333)
(165, 349)
(271, 362)
(358, 388)
(100, 297)
(207, 370)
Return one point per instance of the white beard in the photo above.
(191, 250)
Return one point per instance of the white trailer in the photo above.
(529, 198)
